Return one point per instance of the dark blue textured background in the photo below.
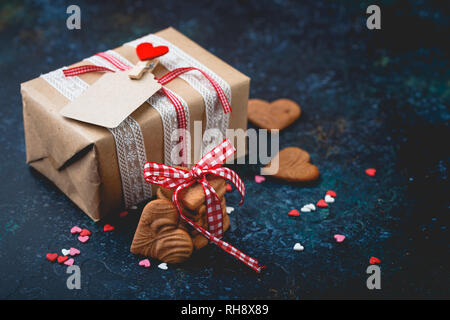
(369, 98)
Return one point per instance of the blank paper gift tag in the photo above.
(111, 99)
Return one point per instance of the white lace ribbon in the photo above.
(128, 137)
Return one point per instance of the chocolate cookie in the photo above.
(275, 115)
(294, 166)
(159, 234)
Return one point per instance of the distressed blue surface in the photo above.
(369, 99)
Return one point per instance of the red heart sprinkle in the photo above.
(374, 260)
(85, 232)
(62, 259)
(331, 193)
(294, 213)
(123, 214)
(371, 172)
(229, 187)
(108, 227)
(51, 256)
(146, 51)
(322, 204)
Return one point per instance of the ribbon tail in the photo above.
(249, 261)
(214, 210)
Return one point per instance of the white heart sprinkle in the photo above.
(298, 247)
(65, 252)
(163, 266)
(230, 210)
(305, 209)
(311, 206)
(329, 199)
(133, 207)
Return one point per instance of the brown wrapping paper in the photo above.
(80, 158)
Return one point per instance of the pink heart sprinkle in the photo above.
(83, 239)
(259, 179)
(75, 230)
(74, 251)
(69, 262)
(339, 237)
(144, 263)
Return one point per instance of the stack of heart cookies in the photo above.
(162, 234)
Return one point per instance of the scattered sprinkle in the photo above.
(298, 247)
(123, 214)
(83, 239)
(374, 260)
(229, 210)
(69, 262)
(85, 232)
(331, 193)
(75, 229)
(371, 172)
(144, 263)
(74, 251)
(305, 209)
(294, 213)
(259, 179)
(51, 256)
(229, 188)
(163, 266)
(329, 199)
(339, 237)
(62, 259)
(321, 203)
(108, 227)
(311, 206)
(65, 252)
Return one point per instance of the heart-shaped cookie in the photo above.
(200, 218)
(194, 196)
(146, 51)
(159, 235)
(293, 166)
(275, 115)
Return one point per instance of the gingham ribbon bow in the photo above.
(171, 177)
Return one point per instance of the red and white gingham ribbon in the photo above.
(71, 72)
(171, 177)
(181, 117)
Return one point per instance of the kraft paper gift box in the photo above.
(82, 158)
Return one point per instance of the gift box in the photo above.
(96, 157)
